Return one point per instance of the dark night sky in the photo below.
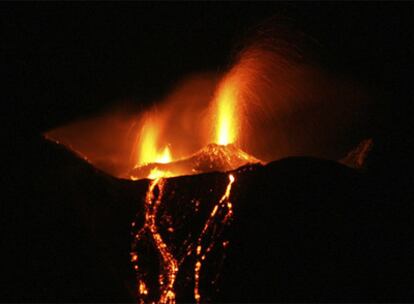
(69, 60)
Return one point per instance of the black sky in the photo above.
(68, 60)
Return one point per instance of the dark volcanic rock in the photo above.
(304, 230)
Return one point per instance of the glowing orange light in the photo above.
(221, 212)
(148, 151)
(134, 258)
(224, 202)
(156, 173)
(164, 157)
(151, 152)
(143, 288)
(226, 121)
(169, 263)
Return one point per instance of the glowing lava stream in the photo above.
(225, 205)
(226, 129)
(170, 265)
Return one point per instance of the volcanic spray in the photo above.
(222, 155)
(259, 106)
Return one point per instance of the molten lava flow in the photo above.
(169, 265)
(156, 164)
(226, 124)
(221, 212)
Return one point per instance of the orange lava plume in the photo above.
(149, 152)
(148, 145)
(274, 101)
(148, 148)
(226, 124)
(271, 103)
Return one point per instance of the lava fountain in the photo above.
(206, 125)
(226, 121)
(148, 146)
(157, 164)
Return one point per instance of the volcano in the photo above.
(211, 158)
(304, 230)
